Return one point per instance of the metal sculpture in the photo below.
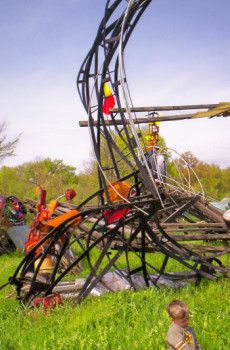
(139, 203)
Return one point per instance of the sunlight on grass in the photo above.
(123, 320)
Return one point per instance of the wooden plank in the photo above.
(70, 287)
(152, 119)
(181, 210)
(133, 247)
(202, 237)
(85, 123)
(191, 230)
(205, 248)
(164, 108)
(215, 209)
(194, 224)
(125, 229)
(208, 213)
(67, 260)
(181, 275)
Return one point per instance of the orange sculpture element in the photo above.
(119, 191)
(53, 205)
(60, 219)
(37, 191)
(41, 226)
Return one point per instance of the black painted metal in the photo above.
(102, 65)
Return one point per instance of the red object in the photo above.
(45, 215)
(50, 301)
(112, 215)
(109, 103)
(70, 194)
(42, 197)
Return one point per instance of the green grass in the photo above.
(125, 320)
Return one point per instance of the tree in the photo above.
(190, 160)
(57, 167)
(7, 148)
(215, 181)
(22, 180)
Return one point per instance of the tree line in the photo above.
(56, 177)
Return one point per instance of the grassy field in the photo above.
(125, 320)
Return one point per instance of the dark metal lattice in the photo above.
(151, 212)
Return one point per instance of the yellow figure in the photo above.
(158, 123)
(107, 90)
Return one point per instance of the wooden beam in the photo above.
(85, 123)
(202, 230)
(205, 249)
(168, 118)
(211, 215)
(164, 108)
(200, 237)
(178, 212)
(194, 224)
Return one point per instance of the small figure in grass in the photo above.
(180, 336)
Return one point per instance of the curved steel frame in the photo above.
(110, 42)
(132, 233)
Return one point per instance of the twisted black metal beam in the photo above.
(93, 74)
(90, 82)
(170, 248)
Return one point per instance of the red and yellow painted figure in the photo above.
(43, 224)
(109, 101)
(152, 138)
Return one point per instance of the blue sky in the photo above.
(178, 54)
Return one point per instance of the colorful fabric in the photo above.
(109, 103)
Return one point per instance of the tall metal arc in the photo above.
(145, 219)
(104, 63)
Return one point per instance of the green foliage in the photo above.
(58, 167)
(88, 182)
(215, 180)
(54, 176)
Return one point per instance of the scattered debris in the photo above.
(113, 281)
(18, 235)
(13, 229)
